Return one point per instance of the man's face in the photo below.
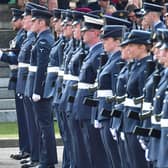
(27, 22)
(148, 18)
(145, 25)
(88, 35)
(57, 26)
(35, 25)
(67, 29)
(16, 25)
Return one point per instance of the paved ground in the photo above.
(6, 162)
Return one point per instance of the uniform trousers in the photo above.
(68, 140)
(110, 145)
(122, 152)
(44, 113)
(33, 129)
(24, 144)
(79, 151)
(135, 152)
(93, 144)
(60, 120)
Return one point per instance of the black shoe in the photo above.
(30, 164)
(25, 161)
(45, 166)
(19, 156)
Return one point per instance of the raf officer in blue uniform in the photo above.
(152, 15)
(87, 76)
(55, 61)
(55, 56)
(36, 77)
(154, 70)
(107, 78)
(23, 64)
(61, 83)
(111, 37)
(163, 146)
(11, 58)
(121, 84)
(158, 99)
(137, 41)
(78, 153)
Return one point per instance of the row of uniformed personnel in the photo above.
(107, 89)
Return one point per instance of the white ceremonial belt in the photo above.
(104, 93)
(154, 121)
(164, 122)
(82, 85)
(12, 67)
(71, 77)
(33, 68)
(23, 65)
(146, 106)
(52, 69)
(130, 103)
(60, 73)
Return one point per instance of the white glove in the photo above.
(36, 97)
(114, 133)
(143, 145)
(122, 135)
(97, 124)
(20, 96)
(147, 155)
(1, 53)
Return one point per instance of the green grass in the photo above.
(10, 130)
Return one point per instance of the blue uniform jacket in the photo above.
(74, 69)
(149, 93)
(12, 57)
(59, 80)
(39, 58)
(121, 86)
(107, 81)
(159, 25)
(135, 87)
(163, 147)
(88, 75)
(157, 109)
(24, 57)
(55, 57)
(69, 54)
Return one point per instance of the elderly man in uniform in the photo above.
(87, 76)
(11, 58)
(71, 78)
(36, 78)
